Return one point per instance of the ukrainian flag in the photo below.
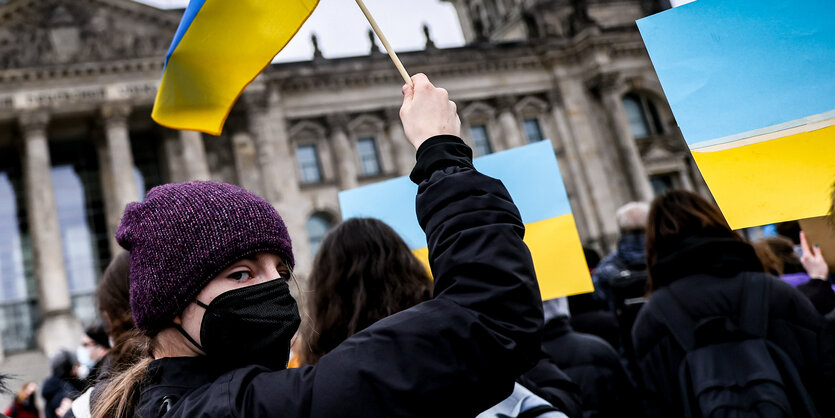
(218, 49)
(532, 177)
(752, 86)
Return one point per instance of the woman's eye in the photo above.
(240, 275)
(285, 275)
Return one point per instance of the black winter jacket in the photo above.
(591, 362)
(455, 355)
(706, 277)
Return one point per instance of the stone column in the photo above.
(59, 328)
(346, 165)
(598, 174)
(587, 222)
(174, 156)
(610, 89)
(684, 178)
(402, 150)
(246, 161)
(194, 155)
(119, 165)
(511, 133)
(279, 178)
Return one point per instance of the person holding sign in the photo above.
(209, 266)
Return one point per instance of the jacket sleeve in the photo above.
(455, 355)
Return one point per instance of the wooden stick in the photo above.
(386, 44)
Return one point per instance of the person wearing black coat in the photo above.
(62, 384)
(592, 363)
(692, 252)
(455, 355)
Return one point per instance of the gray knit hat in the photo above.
(183, 235)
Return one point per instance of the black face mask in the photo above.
(252, 325)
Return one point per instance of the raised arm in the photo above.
(455, 355)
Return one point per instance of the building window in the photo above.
(81, 220)
(369, 159)
(318, 226)
(662, 183)
(18, 306)
(481, 140)
(643, 116)
(533, 131)
(309, 164)
(147, 170)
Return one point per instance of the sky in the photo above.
(342, 28)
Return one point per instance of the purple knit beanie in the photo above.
(183, 235)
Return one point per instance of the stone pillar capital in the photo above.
(35, 121)
(256, 101)
(115, 113)
(604, 83)
(555, 97)
(337, 122)
(506, 103)
(392, 115)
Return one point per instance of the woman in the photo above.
(700, 265)
(363, 272)
(24, 405)
(209, 265)
(113, 301)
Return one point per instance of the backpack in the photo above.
(730, 369)
(628, 294)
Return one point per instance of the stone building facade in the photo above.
(78, 79)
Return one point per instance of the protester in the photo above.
(715, 316)
(63, 384)
(112, 298)
(95, 344)
(24, 405)
(113, 301)
(629, 255)
(817, 288)
(590, 315)
(363, 273)
(204, 258)
(591, 362)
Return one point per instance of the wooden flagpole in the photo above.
(386, 44)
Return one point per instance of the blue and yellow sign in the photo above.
(532, 176)
(752, 86)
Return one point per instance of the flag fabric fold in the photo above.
(218, 49)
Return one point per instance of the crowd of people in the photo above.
(687, 319)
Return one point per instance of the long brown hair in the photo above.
(678, 215)
(120, 393)
(363, 272)
(113, 300)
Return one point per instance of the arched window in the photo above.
(643, 116)
(318, 226)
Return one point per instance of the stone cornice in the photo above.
(13, 79)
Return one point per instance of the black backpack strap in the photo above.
(753, 315)
(678, 321)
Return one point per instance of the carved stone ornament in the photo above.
(33, 121)
(50, 32)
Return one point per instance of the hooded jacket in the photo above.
(706, 276)
(455, 355)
